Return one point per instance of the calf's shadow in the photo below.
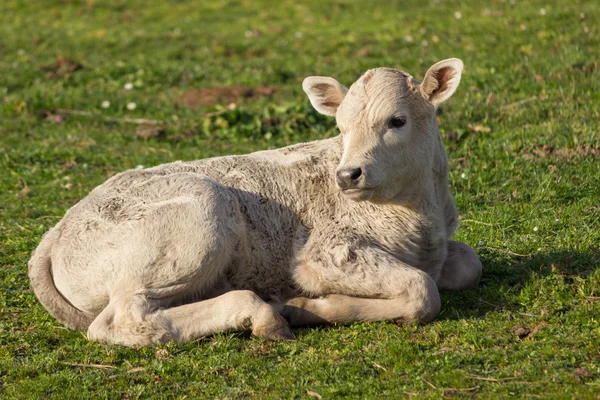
(506, 276)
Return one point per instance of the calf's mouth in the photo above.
(358, 194)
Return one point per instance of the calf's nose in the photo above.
(348, 177)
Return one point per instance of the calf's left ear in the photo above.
(441, 80)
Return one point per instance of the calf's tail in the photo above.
(42, 283)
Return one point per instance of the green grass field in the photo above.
(522, 138)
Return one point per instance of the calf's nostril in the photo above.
(355, 173)
(349, 176)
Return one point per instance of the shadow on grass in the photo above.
(505, 276)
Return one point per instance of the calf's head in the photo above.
(388, 126)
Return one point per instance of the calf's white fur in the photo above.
(353, 228)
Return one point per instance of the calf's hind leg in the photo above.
(173, 256)
(137, 319)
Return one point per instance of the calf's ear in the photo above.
(441, 80)
(325, 94)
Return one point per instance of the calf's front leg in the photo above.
(462, 268)
(374, 286)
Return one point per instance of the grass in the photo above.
(532, 212)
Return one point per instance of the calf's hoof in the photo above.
(270, 325)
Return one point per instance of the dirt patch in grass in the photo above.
(223, 95)
(564, 153)
(62, 68)
(146, 132)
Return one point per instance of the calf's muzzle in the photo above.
(348, 178)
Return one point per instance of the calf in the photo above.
(353, 228)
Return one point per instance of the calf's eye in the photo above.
(397, 122)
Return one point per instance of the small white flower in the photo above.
(408, 39)
(128, 86)
(542, 11)
(535, 229)
(435, 39)
(105, 104)
(268, 135)
(457, 15)
(21, 52)
(463, 175)
(522, 27)
(298, 35)
(424, 43)
(581, 15)
(131, 106)
(481, 243)
(586, 29)
(248, 33)
(139, 167)
(557, 220)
